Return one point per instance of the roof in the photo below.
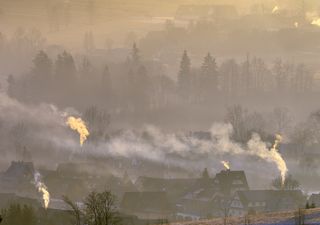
(146, 201)
(315, 198)
(174, 187)
(274, 199)
(228, 179)
(7, 198)
(19, 170)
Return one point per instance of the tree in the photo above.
(135, 55)
(205, 174)
(19, 135)
(302, 79)
(289, 184)
(208, 77)
(106, 83)
(17, 214)
(280, 75)
(281, 119)
(99, 209)
(184, 76)
(230, 77)
(98, 121)
(75, 210)
(236, 116)
(65, 68)
(42, 65)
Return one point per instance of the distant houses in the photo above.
(198, 198)
(153, 199)
(147, 205)
(314, 200)
(257, 201)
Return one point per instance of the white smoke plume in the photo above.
(150, 143)
(42, 188)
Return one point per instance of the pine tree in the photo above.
(184, 76)
(205, 174)
(65, 68)
(135, 55)
(209, 76)
(42, 65)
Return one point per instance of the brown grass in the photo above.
(254, 219)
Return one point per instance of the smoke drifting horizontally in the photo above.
(150, 144)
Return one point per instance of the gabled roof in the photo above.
(19, 170)
(146, 202)
(228, 179)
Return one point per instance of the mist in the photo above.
(111, 95)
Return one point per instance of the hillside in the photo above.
(312, 216)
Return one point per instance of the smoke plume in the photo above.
(42, 188)
(78, 125)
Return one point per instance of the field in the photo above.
(312, 217)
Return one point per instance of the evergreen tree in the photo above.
(65, 68)
(184, 76)
(230, 77)
(42, 65)
(205, 174)
(280, 76)
(209, 76)
(135, 55)
(106, 83)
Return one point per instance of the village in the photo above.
(151, 199)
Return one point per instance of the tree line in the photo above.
(139, 85)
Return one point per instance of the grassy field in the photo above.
(312, 217)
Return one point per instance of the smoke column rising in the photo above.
(226, 164)
(42, 188)
(78, 125)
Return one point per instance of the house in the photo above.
(175, 188)
(211, 196)
(245, 202)
(147, 205)
(230, 181)
(8, 198)
(19, 170)
(315, 199)
(18, 177)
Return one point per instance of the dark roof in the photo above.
(7, 198)
(146, 201)
(19, 170)
(174, 187)
(274, 199)
(228, 179)
(315, 198)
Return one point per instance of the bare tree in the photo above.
(289, 184)
(281, 118)
(236, 117)
(75, 210)
(98, 121)
(99, 209)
